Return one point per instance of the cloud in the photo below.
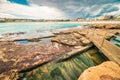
(4, 15)
(32, 11)
(108, 9)
(82, 8)
(52, 9)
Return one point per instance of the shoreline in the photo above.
(73, 22)
(66, 42)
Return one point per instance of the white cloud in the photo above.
(60, 8)
(113, 13)
(97, 9)
(32, 11)
(4, 15)
(3, 1)
(81, 8)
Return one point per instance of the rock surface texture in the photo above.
(105, 26)
(105, 71)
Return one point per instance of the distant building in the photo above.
(108, 17)
(81, 19)
(73, 20)
(99, 18)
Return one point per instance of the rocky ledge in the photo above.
(73, 38)
(17, 57)
(105, 26)
(105, 71)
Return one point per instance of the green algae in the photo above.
(116, 41)
(69, 69)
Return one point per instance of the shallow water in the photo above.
(33, 26)
(66, 70)
(115, 41)
(22, 42)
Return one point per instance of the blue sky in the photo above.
(23, 2)
(58, 9)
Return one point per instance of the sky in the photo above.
(58, 9)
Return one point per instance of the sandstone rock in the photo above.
(76, 38)
(105, 71)
(84, 41)
(34, 40)
(100, 26)
(112, 26)
(83, 32)
(69, 40)
(105, 26)
(1, 54)
(9, 75)
(67, 31)
(77, 35)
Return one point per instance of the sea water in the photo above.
(34, 26)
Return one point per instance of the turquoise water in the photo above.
(27, 26)
(22, 42)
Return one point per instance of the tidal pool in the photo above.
(22, 42)
(116, 40)
(69, 69)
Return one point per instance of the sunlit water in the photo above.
(34, 26)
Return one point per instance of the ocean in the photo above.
(34, 26)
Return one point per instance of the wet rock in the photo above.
(17, 33)
(105, 71)
(9, 75)
(29, 40)
(5, 66)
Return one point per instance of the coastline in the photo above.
(66, 42)
(73, 22)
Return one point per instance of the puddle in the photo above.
(22, 42)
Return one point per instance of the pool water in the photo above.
(115, 40)
(22, 42)
(66, 70)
